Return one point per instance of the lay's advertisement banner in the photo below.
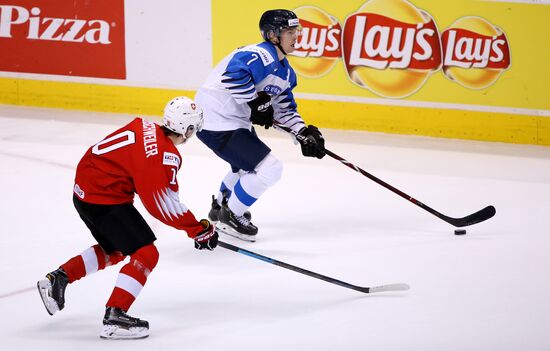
(392, 48)
(471, 55)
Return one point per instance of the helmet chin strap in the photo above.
(280, 47)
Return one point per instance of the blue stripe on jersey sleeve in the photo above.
(286, 101)
(236, 76)
(240, 87)
(287, 111)
(243, 93)
(236, 80)
(245, 66)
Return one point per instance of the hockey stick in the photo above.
(479, 216)
(366, 290)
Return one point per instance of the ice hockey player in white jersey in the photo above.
(252, 85)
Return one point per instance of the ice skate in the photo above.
(52, 290)
(215, 208)
(118, 325)
(237, 226)
(214, 214)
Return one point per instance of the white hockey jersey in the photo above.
(238, 78)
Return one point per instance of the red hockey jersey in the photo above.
(137, 158)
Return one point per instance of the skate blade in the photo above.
(44, 288)
(224, 229)
(113, 332)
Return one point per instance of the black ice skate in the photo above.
(52, 290)
(118, 325)
(214, 214)
(237, 226)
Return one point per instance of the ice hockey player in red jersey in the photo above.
(139, 158)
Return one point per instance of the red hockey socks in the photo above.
(133, 276)
(90, 261)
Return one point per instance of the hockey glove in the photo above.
(313, 144)
(207, 238)
(261, 111)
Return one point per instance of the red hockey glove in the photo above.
(207, 238)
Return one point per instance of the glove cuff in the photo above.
(262, 102)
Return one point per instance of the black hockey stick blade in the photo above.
(480, 216)
(363, 289)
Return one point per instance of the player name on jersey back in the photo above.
(150, 138)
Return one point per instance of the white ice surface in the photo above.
(487, 290)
